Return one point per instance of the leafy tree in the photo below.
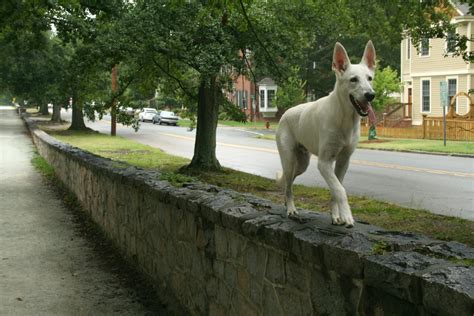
(386, 82)
(431, 19)
(291, 92)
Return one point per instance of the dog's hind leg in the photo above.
(295, 161)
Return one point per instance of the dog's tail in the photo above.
(280, 179)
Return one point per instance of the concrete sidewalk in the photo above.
(46, 266)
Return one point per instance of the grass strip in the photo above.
(383, 214)
(415, 145)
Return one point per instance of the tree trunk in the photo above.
(208, 109)
(56, 113)
(77, 123)
(113, 109)
(44, 108)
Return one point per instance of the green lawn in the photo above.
(452, 147)
(246, 125)
(378, 213)
(434, 146)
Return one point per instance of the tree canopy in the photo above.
(193, 50)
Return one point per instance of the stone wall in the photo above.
(220, 252)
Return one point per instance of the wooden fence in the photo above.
(458, 127)
(396, 132)
(432, 128)
(455, 129)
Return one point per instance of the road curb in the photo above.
(421, 152)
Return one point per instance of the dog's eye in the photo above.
(354, 79)
(369, 78)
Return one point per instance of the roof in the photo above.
(267, 81)
(461, 6)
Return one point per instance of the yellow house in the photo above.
(422, 71)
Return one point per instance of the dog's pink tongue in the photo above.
(372, 118)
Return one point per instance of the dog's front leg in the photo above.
(342, 163)
(340, 210)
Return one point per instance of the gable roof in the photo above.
(462, 7)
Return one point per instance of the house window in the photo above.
(262, 99)
(245, 99)
(270, 97)
(451, 42)
(408, 48)
(425, 95)
(238, 100)
(452, 88)
(425, 47)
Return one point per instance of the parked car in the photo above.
(166, 117)
(147, 114)
(127, 110)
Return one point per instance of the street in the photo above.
(441, 184)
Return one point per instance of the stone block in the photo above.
(297, 275)
(243, 283)
(216, 310)
(396, 273)
(293, 302)
(377, 302)
(255, 260)
(449, 291)
(234, 217)
(270, 303)
(275, 268)
(241, 306)
(345, 254)
(218, 268)
(230, 275)
(327, 297)
(220, 238)
(236, 247)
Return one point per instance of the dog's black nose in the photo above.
(369, 96)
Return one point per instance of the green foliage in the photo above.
(431, 19)
(42, 165)
(290, 92)
(386, 82)
(380, 248)
(229, 112)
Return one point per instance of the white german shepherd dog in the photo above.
(328, 128)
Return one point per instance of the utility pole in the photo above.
(113, 110)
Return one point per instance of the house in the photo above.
(423, 70)
(243, 96)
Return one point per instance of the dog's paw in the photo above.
(347, 220)
(346, 216)
(291, 212)
(337, 221)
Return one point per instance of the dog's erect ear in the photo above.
(340, 61)
(369, 55)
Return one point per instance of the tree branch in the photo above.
(258, 39)
(175, 79)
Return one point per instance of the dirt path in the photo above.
(47, 265)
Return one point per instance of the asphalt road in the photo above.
(440, 184)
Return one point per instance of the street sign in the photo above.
(443, 93)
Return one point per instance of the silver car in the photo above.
(166, 117)
(147, 114)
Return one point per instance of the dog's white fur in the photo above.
(328, 128)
